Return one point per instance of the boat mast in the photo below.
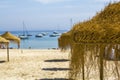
(71, 22)
(23, 28)
(25, 32)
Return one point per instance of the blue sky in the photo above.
(46, 14)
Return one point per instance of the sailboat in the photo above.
(24, 35)
(39, 35)
(55, 34)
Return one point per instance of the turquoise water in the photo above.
(44, 42)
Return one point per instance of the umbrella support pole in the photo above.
(101, 63)
(83, 72)
(7, 53)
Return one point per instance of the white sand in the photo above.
(28, 64)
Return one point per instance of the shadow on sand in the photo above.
(56, 69)
(56, 79)
(57, 60)
(2, 61)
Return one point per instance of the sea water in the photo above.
(45, 42)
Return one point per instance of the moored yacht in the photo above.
(23, 37)
(38, 35)
(25, 34)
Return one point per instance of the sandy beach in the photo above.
(38, 64)
(34, 64)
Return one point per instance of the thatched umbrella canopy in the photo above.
(64, 41)
(99, 36)
(6, 42)
(11, 37)
(105, 26)
(3, 40)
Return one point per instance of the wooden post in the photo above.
(83, 72)
(101, 62)
(8, 52)
(18, 45)
(83, 62)
(101, 67)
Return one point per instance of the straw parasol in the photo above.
(99, 36)
(11, 37)
(64, 41)
(3, 40)
(6, 42)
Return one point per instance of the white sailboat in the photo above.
(24, 35)
(55, 34)
(39, 35)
